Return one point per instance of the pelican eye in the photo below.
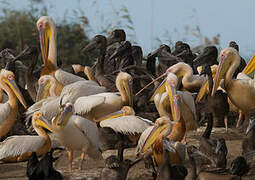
(10, 77)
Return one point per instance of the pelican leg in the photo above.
(70, 158)
(184, 139)
(226, 123)
(82, 159)
(239, 121)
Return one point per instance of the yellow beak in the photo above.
(154, 134)
(161, 89)
(203, 90)
(44, 123)
(44, 40)
(221, 71)
(129, 93)
(15, 89)
(250, 67)
(174, 102)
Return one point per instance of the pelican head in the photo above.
(7, 78)
(47, 86)
(124, 83)
(64, 114)
(39, 121)
(227, 57)
(46, 28)
(117, 35)
(99, 41)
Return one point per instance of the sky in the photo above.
(164, 19)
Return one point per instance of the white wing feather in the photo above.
(143, 138)
(50, 106)
(127, 124)
(4, 111)
(84, 104)
(88, 128)
(67, 78)
(17, 145)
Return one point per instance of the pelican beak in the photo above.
(64, 115)
(250, 126)
(12, 84)
(250, 67)
(225, 61)
(39, 92)
(203, 90)
(116, 114)
(174, 101)
(91, 46)
(154, 134)
(129, 92)
(160, 89)
(44, 40)
(43, 122)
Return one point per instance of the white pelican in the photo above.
(20, 148)
(187, 104)
(70, 93)
(47, 29)
(240, 91)
(98, 105)
(9, 109)
(75, 133)
(174, 131)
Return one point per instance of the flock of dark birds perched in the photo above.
(122, 102)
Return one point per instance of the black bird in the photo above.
(165, 59)
(183, 51)
(115, 169)
(217, 105)
(239, 166)
(242, 64)
(215, 149)
(43, 169)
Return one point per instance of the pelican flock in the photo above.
(98, 109)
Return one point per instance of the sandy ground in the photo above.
(92, 168)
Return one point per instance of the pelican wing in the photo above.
(17, 145)
(79, 89)
(85, 104)
(189, 111)
(4, 111)
(143, 138)
(68, 78)
(127, 124)
(88, 128)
